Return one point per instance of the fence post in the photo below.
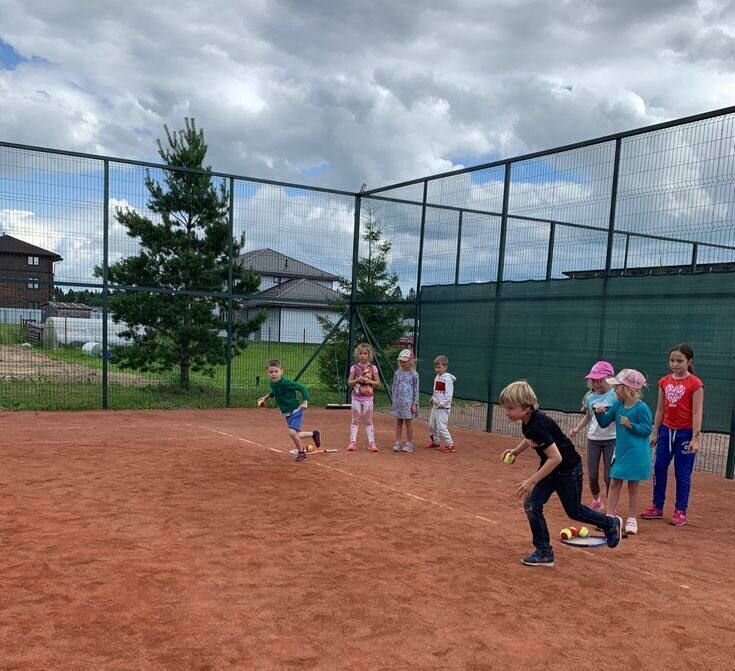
(459, 247)
(610, 245)
(105, 279)
(417, 304)
(730, 468)
(353, 292)
(550, 253)
(498, 293)
(230, 315)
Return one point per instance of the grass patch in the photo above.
(248, 382)
(9, 334)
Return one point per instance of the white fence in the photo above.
(78, 331)
(14, 315)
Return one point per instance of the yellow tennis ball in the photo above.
(309, 448)
(584, 532)
(565, 534)
(509, 458)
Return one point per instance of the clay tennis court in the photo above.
(191, 540)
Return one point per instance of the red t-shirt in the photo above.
(678, 400)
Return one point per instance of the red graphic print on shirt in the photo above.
(678, 400)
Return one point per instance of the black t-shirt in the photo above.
(542, 431)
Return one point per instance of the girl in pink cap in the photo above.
(632, 460)
(600, 442)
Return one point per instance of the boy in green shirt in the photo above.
(284, 391)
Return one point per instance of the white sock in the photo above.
(370, 430)
(353, 432)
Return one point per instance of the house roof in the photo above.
(11, 245)
(269, 262)
(297, 292)
(59, 305)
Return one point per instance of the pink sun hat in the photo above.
(600, 371)
(628, 377)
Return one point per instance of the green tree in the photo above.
(375, 282)
(184, 250)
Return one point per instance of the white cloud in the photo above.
(338, 95)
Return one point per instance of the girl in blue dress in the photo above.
(632, 460)
(405, 394)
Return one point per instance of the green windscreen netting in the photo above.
(551, 332)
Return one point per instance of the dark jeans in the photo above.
(568, 487)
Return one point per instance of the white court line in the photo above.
(229, 435)
(86, 442)
(244, 440)
(403, 493)
(425, 500)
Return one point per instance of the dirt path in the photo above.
(27, 364)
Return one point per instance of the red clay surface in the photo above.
(183, 540)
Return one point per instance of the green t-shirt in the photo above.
(284, 391)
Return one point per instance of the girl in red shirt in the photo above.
(676, 431)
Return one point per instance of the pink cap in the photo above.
(600, 371)
(628, 377)
(405, 355)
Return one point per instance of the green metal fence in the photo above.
(531, 267)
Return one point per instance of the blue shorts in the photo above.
(294, 419)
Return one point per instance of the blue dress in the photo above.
(632, 460)
(405, 393)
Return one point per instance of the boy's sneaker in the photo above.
(448, 448)
(317, 436)
(596, 504)
(408, 447)
(652, 513)
(373, 447)
(613, 537)
(631, 526)
(397, 447)
(536, 559)
(679, 519)
(432, 445)
(301, 456)
(351, 447)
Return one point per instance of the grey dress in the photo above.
(405, 393)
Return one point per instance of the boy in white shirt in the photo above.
(441, 403)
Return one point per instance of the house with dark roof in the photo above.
(26, 278)
(63, 309)
(292, 293)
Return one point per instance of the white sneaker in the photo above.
(397, 447)
(631, 526)
(408, 447)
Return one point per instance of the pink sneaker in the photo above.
(652, 513)
(596, 504)
(679, 519)
(432, 445)
(373, 447)
(351, 447)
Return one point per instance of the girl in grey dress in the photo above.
(405, 394)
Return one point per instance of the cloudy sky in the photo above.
(341, 93)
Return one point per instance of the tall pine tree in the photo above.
(185, 249)
(375, 282)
